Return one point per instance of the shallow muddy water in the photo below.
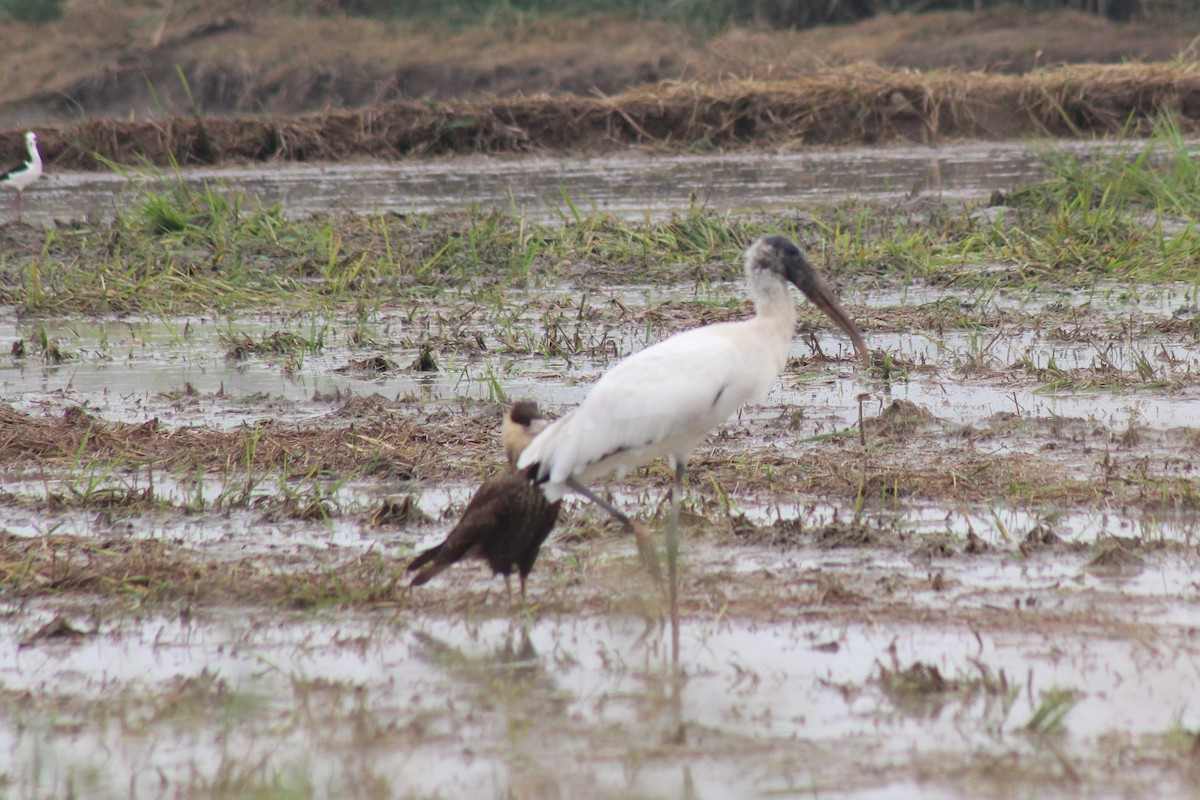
(629, 187)
(135, 369)
(590, 705)
(1030, 549)
(181, 373)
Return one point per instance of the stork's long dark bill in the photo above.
(821, 296)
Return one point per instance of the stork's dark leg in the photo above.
(640, 532)
(524, 600)
(508, 588)
(598, 500)
(673, 540)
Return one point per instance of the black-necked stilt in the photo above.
(24, 176)
(663, 401)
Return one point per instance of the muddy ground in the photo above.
(835, 107)
(209, 84)
(116, 59)
(967, 571)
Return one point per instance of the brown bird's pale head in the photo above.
(779, 255)
(522, 422)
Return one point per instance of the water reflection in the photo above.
(557, 704)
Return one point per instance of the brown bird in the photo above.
(508, 518)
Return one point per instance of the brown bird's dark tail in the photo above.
(430, 570)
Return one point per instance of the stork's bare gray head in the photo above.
(780, 255)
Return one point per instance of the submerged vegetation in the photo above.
(981, 539)
(474, 291)
(1120, 215)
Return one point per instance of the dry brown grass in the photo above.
(152, 570)
(104, 55)
(118, 59)
(381, 440)
(125, 60)
(859, 104)
(364, 437)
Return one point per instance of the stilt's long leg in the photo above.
(641, 533)
(673, 541)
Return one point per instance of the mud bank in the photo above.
(845, 106)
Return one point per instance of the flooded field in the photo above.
(631, 187)
(967, 571)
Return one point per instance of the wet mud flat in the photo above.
(967, 571)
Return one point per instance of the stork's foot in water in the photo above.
(645, 546)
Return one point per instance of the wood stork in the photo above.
(24, 176)
(507, 519)
(663, 401)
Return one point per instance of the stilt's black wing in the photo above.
(13, 172)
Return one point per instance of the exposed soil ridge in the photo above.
(842, 106)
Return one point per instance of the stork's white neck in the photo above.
(34, 156)
(774, 308)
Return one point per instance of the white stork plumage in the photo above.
(664, 400)
(24, 176)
